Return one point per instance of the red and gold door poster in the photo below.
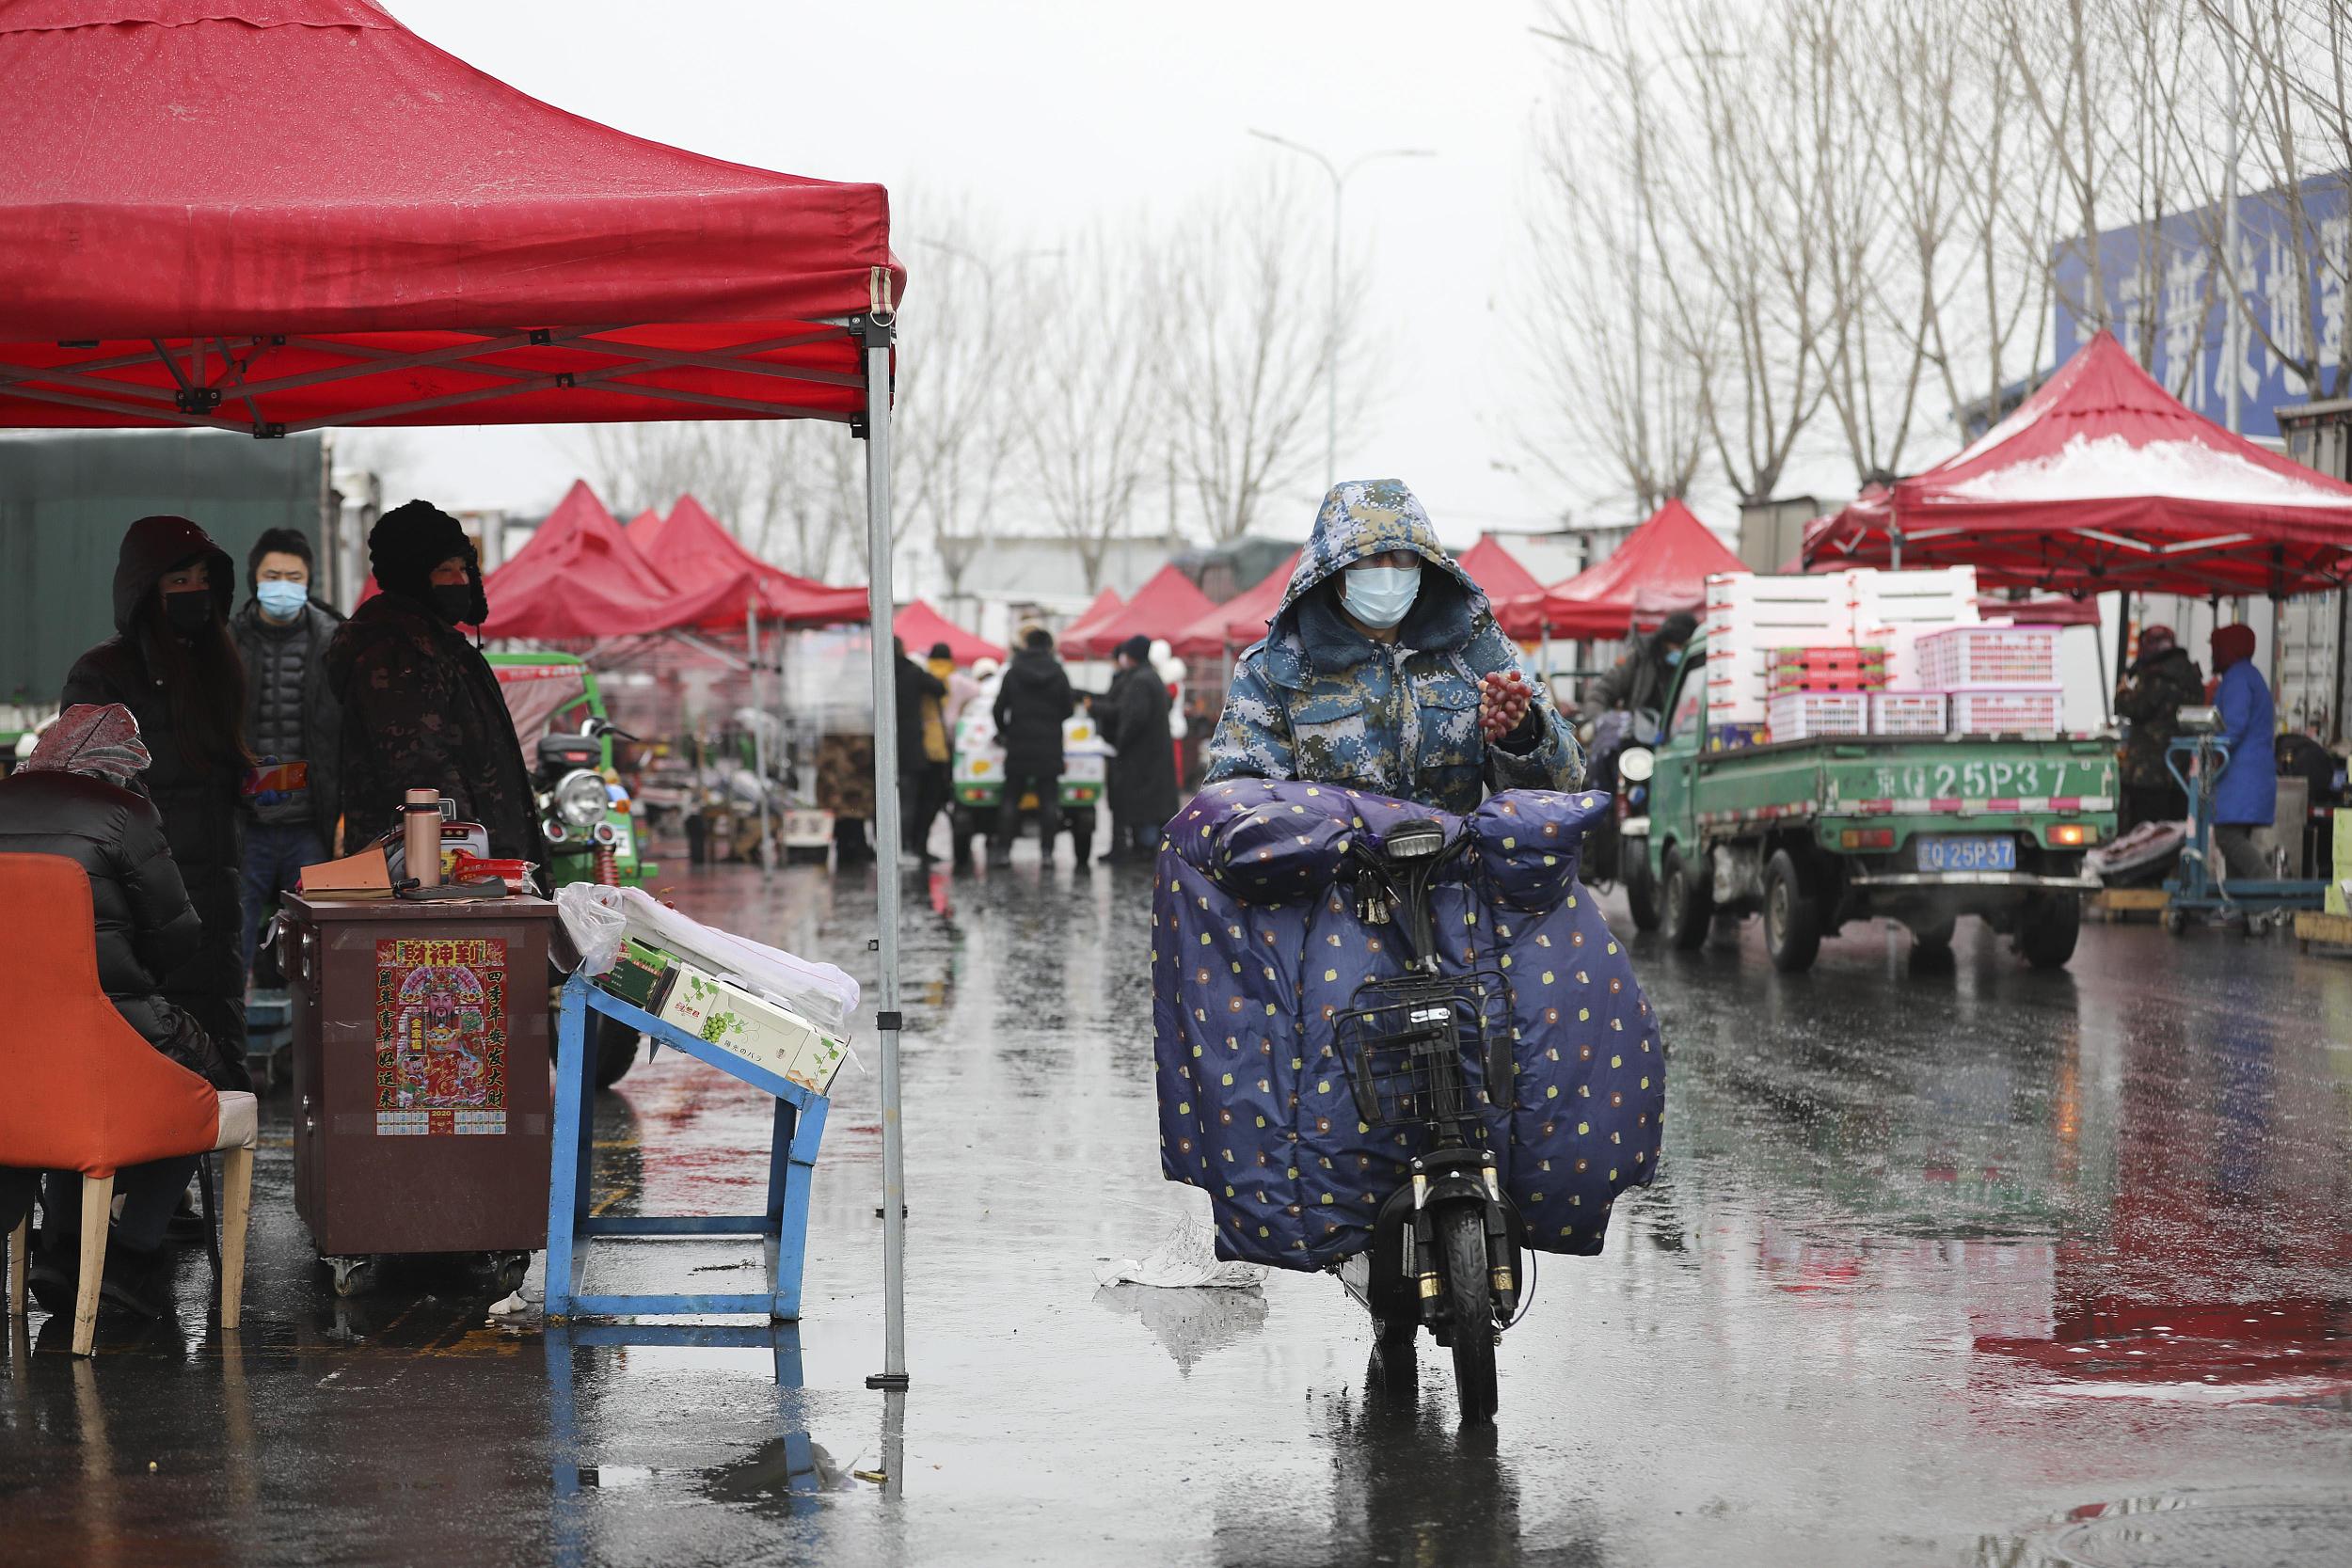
(440, 1036)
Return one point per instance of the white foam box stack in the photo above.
(2009, 657)
(1943, 597)
(1803, 715)
(1992, 711)
(764, 1032)
(1747, 615)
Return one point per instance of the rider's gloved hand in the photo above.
(1503, 698)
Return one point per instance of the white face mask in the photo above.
(1379, 595)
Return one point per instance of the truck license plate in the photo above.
(1967, 854)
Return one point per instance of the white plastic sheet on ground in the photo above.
(820, 992)
(1186, 1260)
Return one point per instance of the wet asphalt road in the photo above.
(1960, 1264)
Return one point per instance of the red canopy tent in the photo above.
(2102, 480)
(577, 579)
(1661, 567)
(918, 626)
(1163, 607)
(1497, 571)
(1240, 620)
(695, 551)
(275, 216)
(1095, 616)
(642, 529)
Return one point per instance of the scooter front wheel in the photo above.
(1462, 1255)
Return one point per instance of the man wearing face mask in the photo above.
(1640, 680)
(422, 709)
(1383, 670)
(292, 724)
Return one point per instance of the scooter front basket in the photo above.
(1407, 1037)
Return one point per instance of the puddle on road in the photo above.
(2188, 1530)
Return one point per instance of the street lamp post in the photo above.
(1331, 337)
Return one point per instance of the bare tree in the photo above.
(1612, 396)
(1247, 350)
(1094, 432)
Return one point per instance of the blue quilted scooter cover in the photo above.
(1255, 951)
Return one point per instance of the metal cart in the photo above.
(2193, 889)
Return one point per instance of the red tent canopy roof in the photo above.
(642, 529)
(1096, 615)
(1163, 607)
(1240, 620)
(918, 626)
(578, 577)
(1661, 567)
(2101, 480)
(695, 551)
(1495, 569)
(280, 214)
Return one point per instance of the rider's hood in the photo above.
(1359, 518)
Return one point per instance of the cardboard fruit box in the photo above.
(763, 1033)
(642, 975)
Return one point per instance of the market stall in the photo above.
(1166, 603)
(248, 252)
(920, 627)
(1661, 567)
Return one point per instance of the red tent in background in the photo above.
(695, 551)
(1240, 620)
(642, 529)
(577, 579)
(918, 626)
(1661, 567)
(245, 252)
(1497, 570)
(2102, 480)
(1163, 607)
(1095, 616)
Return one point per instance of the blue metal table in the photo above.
(799, 1126)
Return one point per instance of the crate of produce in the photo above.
(1803, 715)
(1734, 737)
(1834, 667)
(1909, 713)
(2007, 657)
(1995, 711)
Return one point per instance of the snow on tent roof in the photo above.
(2101, 480)
(1163, 607)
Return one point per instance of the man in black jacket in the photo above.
(923, 753)
(422, 709)
(1133, 715)
(1642, 676)
(75, 797)
(292, 724)
(1031, 705)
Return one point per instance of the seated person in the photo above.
(1383, 668)
(77, 797)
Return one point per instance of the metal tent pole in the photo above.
(873, 332)
(759, 734)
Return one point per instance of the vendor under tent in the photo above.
(1240, 621)
(1163, 607)
(1661, 567)
(577, 579)
(1096, 615)
(2101, 481)
(300, 233)
(920, 626)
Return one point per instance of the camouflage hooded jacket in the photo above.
(1316, 699)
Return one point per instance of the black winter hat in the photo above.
(410, 541)
(1138, 647)
(1675, 629)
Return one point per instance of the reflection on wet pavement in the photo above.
(1950, 1262)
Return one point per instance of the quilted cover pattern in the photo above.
(1256, 951)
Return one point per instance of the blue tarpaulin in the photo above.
(1257, 951)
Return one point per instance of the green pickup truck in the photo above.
(1814, 833)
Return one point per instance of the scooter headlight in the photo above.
(579, 798)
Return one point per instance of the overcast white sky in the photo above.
(1054, 114)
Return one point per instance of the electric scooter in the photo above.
(1446, 1246)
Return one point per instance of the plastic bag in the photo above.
(820, 992)
(593, 919)
(1186, 1260)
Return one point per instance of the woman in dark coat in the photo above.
(1031, 703)
(75, 797)
(420, 707)
(1134, 718)
(174, 663)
